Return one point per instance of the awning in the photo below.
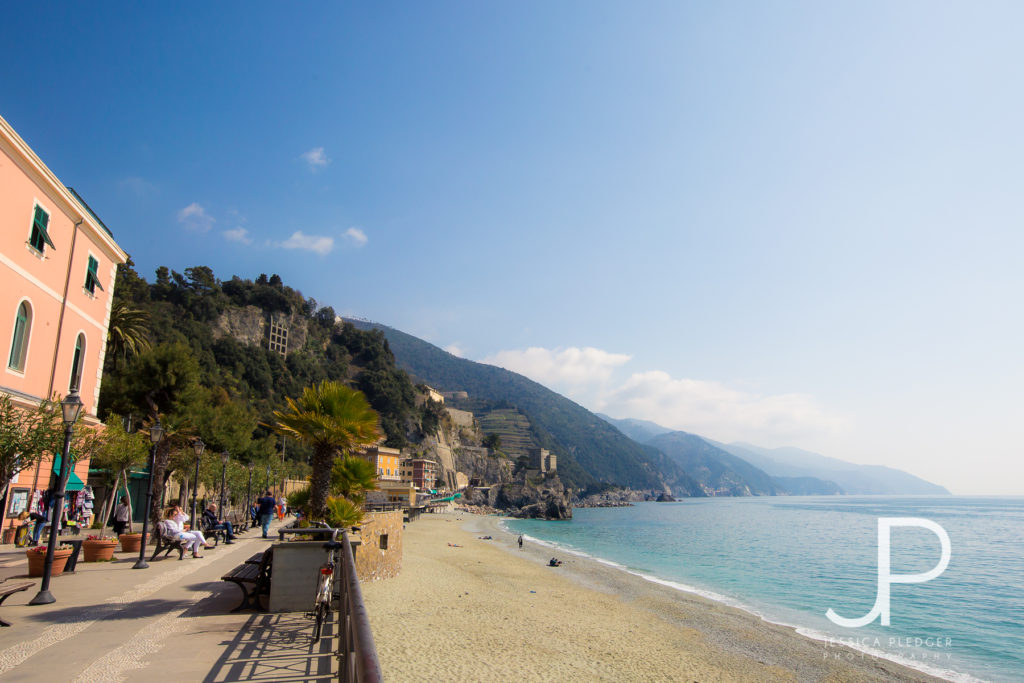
(75, 482)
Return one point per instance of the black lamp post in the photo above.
(223, 474)
(248, 497)
(198, 447)
(70, 407)
(268, 479)
(156, 432)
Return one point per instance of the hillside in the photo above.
(854, 479)
(720, 473)
(590, 450)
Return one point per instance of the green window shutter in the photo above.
(40, 223)
(92, 279)
(17, 359)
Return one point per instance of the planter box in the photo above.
(36, 562)
(99, 551)
(130, 543)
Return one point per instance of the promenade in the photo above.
(171, 622)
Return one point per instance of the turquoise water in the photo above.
(791, 559)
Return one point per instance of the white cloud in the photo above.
(718, 411)
(140, 187)
(713, 409)
(195, 218)
(572, 366)
(316, 158)
(238, 234)
(356, 237)
(456, 350)
(300, 240)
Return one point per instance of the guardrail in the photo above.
(357, 654)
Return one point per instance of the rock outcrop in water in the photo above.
(546, 499)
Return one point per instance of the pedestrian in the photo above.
(520, 541)
(265, 512)
(122, 516)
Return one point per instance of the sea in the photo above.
(791, 559)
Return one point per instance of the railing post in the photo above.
(361, 663)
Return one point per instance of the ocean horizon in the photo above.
(790, 559)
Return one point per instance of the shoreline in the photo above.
(484, 610)
(923, 672)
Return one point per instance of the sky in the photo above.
(785, 223)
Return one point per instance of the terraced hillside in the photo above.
(513, 427)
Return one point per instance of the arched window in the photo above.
(19, 341)
(76, 364)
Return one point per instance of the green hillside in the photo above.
(589, 449)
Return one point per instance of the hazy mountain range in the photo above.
(640, 454)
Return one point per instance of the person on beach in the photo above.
(176, 518)
(265, 511)
(122, 516)
(520, 541)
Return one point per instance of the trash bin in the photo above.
(69, 566)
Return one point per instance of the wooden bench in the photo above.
(165, 542)
(253, 579)
(9, 589)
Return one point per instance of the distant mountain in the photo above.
(640, 431)
(719, 472)
(590, 450)
(854, 479)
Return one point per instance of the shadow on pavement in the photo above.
(277, 647)
(136, 610)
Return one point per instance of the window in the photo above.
(19, 342)
(92, 280)
(76, 364)
(39, 237)
(383, 541)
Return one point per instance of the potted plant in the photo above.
(99, 548)
(37, 559)
(130, 543)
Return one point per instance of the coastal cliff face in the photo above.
(523, 498)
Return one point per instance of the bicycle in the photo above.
(325, 585)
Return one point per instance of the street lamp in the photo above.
(198, 447)
(156, 432)
(268, 478)
(248, 498)
(223, 474)
(70, 407)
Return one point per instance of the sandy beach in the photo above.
(482, 610)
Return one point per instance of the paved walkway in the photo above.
(171, 622)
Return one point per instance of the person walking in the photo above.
(520, 542)
(122, 516)
(265, 512)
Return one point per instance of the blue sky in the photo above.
(789, 223)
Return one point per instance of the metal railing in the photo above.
(357, 654)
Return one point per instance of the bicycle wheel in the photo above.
(320, 616)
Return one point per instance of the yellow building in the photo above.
(385, 460)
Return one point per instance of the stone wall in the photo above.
(373, 561)
(461, 418)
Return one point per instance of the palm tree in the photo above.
(331, 418)
(128, 331)
(351, 477)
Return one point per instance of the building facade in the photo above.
(58, 263)
(387, 462)
(420, 472)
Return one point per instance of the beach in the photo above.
(483, 610)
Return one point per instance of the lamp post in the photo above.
(198, 447)
(223, 474)
(70, 407)
(268, 478)
(248, 498)
(156, 432)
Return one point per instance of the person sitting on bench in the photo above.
(176, 519)
(211, 522)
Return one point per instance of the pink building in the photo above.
(58, 262)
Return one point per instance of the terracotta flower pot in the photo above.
(37, 560)
(130, 543)
(99, 550)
